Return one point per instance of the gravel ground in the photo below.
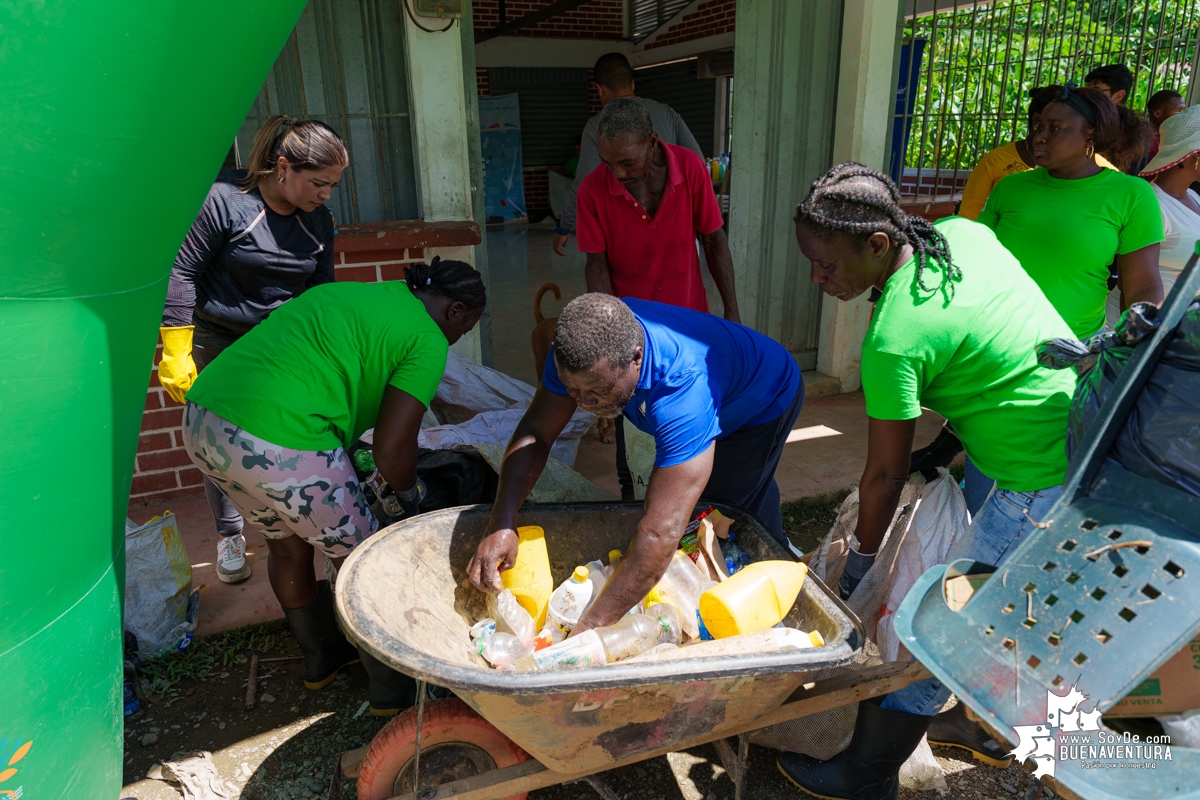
(287, 746)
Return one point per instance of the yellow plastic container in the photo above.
(757, 597)
(529, 580)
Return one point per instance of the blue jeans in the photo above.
(999, 527)
(977, 487)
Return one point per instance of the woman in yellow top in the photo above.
(1016, 156)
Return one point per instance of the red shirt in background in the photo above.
(651, 258)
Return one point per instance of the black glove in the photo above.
(939, 453)
(410, 501)
(857, 566)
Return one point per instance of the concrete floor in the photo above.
(825, 454)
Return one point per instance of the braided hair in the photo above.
(454, 279)
(856, 201)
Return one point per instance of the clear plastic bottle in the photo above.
(671, 620)
(570, 600)
(502, 650)
(511, 617)
(585, 650)
(681, 586)
(632, 635)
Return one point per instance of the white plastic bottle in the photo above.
(570, 600)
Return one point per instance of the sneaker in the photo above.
(232, 566)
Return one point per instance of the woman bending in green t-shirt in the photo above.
(270, 422)
(955, 329)
(1067, 221)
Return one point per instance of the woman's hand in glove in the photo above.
(176, 369)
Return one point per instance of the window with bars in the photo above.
(966, 69)
(647, 16)
(344, 64)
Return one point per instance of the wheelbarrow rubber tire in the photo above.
(447, 721)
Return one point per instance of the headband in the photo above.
(1066, 95)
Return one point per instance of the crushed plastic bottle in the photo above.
(735, 557)
(629, 637)
(511, 617)
(757, 642)
(501, 650)
(585, 650)
(681, 586)
(570, 600)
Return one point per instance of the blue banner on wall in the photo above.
(906, 100)
(503, 181)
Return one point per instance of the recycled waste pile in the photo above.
(712, 600)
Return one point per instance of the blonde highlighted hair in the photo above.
(305, 143)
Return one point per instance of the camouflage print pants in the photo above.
(313, 494)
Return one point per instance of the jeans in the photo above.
(207, 345)
(978, 487)
(1002, 524)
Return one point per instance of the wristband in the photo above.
(562, 231)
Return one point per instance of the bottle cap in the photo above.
(580, 575)
(614, 555)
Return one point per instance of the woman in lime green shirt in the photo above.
(955, 329)
(1067, 221)
(271, 420)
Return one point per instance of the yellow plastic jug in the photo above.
(529, 580)
(755, 598)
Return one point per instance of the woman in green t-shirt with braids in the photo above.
(1067, 221)
(270, 422)
(955, 329)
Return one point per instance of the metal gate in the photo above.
(967, 68)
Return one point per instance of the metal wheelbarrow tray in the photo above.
(1105, 592)
(404, 595)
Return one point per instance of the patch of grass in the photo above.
(206, 658)
(807, 523)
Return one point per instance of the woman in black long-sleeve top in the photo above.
(262, 237)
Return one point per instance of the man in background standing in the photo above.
(1115, 80)
(614, 79)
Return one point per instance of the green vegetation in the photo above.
(206, 659)
(980, 62)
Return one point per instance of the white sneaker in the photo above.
(232, 566)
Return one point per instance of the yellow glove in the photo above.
(176, 370)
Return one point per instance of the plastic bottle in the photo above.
(530, 580)
(511, 617)
(570, 600)
(502, 650)
(671, 620)
(614, 558)
(681, 586)
(758, 597)
(585, 650)
(598, 578)
(757, 642)
(733, 554)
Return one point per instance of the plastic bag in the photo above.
(1184, 729)
(467, 389)
(160, 607)
(496, 427)
(936, 524)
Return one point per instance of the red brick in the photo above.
(169, 402)
(361, 274)
(161, 420)
(378, 256)
(159, 481)
(153, 401)
(154, 382)
(392, 272)
(190, 477)
(149, 442)
(171, 459)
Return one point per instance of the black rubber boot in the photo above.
(869, 767)
(325, 648)
(389, 692)
(955, 729)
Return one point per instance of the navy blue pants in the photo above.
(744, 465)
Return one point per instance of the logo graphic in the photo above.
(1063, 712)
(10, 754)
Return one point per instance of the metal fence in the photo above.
(966, 69)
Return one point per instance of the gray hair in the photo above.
(596, 327)
(621, 116)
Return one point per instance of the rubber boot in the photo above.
(869, 767)
(325, 648)
(389, 692)
(955, 729)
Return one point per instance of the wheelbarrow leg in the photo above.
(734, 763)
(597, 783)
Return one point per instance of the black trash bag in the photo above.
(455, 477)
(1161, 438)
(1099, 360)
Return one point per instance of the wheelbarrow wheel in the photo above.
(456, 743)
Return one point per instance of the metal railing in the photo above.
(966, 69)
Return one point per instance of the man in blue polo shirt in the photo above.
(719, 399)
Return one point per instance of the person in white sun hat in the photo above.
(1172, 171)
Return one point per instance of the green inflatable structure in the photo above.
(114, 119)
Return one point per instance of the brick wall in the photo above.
(483, 82)
(597, 19)
(537, 191)
(163, 470)
(708, 19)
(593, 94)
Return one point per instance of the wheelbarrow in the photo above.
(405, 597)
(1100, 596)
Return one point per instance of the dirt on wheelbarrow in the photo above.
(286, 747)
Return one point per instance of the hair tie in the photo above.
(428, 281)
(1069, 97)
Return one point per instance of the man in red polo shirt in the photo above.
(638, 218)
